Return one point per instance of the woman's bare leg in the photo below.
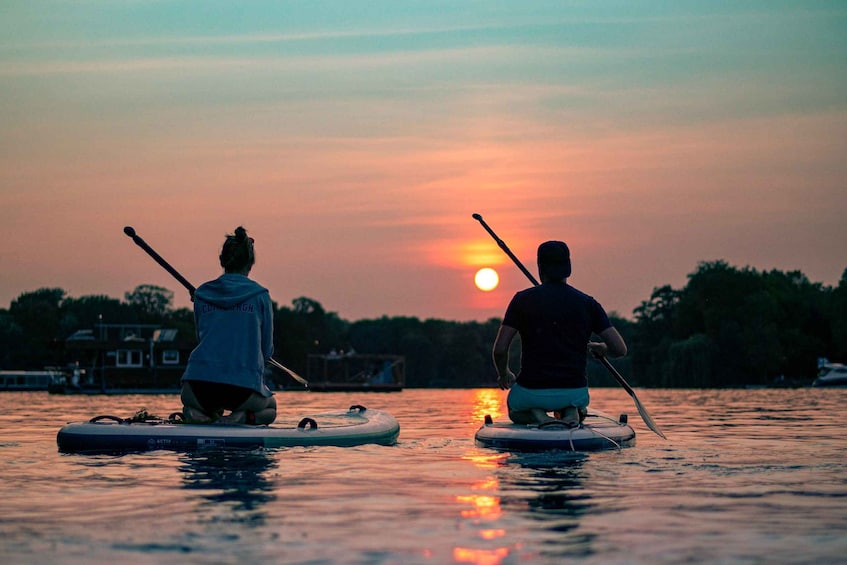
(191, 409)
(263, 409)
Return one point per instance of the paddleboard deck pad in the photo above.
(598, 431)
(142, 432)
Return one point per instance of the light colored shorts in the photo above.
(547, 399)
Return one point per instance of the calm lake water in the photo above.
(746, 476)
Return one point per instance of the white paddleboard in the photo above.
(597, 431)
(356, 426)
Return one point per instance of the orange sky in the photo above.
(355, 148)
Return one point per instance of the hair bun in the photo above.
(237, 251)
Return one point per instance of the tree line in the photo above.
(726, 327)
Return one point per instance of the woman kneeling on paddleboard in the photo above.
(555, 322)
(234, 321)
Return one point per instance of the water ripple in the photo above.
(745, 477)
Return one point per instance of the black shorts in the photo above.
(219, 396)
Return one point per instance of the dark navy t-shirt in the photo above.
(555, 322)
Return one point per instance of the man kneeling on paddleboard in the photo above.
(555, 322)
(234, 321)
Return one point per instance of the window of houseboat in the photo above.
(170, 356)
(129, 358)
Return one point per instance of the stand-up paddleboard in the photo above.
(596, 432)
(105, 434)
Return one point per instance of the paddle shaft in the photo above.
(158, 258)
(167, 266)
(505, 249)
(641, 410)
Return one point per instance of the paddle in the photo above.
(505, 249)
(641, 410)
(158, 258)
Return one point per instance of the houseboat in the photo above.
(30, 380)
(354, 372)
(123, 359)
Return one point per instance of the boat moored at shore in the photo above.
(30, 380)
(832, 375)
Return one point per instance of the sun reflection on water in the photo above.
(492, 534)
(482, 506)
(480, 556)
(487, 507)
(487, 402)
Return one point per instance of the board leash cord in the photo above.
(144, 417)
(571, 429)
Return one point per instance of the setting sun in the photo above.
(486, 279)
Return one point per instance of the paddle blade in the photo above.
(291, 373)
(647, 418)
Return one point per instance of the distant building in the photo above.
(356, 372)
(123, 358)
(30, 380)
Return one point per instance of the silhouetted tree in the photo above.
(12, 341)
(86, 312)
(838, 317)
(150, 301)
(37, 314)
(731, 326)
(306, 329)
(653, 335)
